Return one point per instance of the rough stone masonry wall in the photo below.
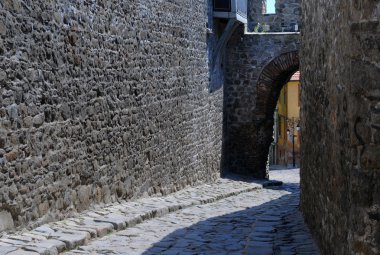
(340, 175)
(102, 101)
(246, 133)
(288, 14)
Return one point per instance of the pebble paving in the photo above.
(227, 217)
(259, 222)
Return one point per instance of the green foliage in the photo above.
(260, 28)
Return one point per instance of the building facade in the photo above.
(286, 127)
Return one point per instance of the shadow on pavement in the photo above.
(230, 233)
(272, 183)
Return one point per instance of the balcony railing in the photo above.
(231, 9)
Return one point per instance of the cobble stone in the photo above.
(73, 232)
(263, 221)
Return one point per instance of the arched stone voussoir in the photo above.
(272, 78)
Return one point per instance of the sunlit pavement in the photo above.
(261, 221)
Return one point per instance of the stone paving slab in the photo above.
(56, 237)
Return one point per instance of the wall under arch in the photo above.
(249, 96)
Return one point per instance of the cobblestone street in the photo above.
(262, 221)
(227, 217)
(146, 127)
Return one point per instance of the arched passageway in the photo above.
(271, 80)
(247, 139)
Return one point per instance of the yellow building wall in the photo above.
(293, 104)
(281, 113)
(288, 106)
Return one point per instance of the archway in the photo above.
(246, 145)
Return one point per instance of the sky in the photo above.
(270, 6)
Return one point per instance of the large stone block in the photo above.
(6, 221)
(370, 158)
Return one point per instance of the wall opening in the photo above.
(269, 7)
(284, 150)
(273, 86)
(247, 140)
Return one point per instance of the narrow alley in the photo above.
(125, 127)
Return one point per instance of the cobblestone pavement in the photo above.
(260, 222)
(228, 217)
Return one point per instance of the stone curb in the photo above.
(56, 237)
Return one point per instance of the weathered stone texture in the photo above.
(248, 125)
(101, 101)
(340, 174)
(288, 13)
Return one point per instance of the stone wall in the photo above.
(250, 97)
(340, 175)
(288, 13)
(102, 101)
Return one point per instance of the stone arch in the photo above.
(248, 135)
(271, 80)
(269, 84)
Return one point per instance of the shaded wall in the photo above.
(340, 175)
(102, 101)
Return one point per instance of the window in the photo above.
(269, 6)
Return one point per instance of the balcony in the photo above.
(231, 9)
